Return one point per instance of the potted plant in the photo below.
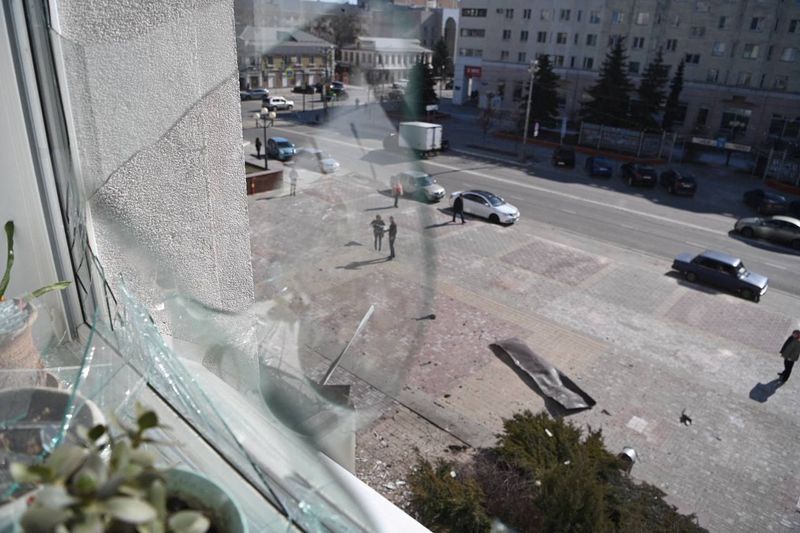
(111, 483)
(16, 317)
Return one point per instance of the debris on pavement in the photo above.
(685, 419)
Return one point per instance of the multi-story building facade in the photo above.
(381, 59)
(742, 73)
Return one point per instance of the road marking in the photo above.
(690, 243)
(626, 226)
(776, 266)
(568, 211)
(505, 181)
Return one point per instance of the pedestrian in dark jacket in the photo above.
(790, 351)
(258, 148)
(378, 227)
(458, 208)
(392, 236)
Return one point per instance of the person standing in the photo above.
(790, 351)
(392, 236)
(378, 227)
(258, 148)
(397, 190)
(293, 182)
(458, 208)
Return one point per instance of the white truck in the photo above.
(422, 138)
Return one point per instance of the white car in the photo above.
(487, 205)
(318, 160)
(259, 93)
(277, 103)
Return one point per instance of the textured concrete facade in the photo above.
(153, 110)
(742, 58)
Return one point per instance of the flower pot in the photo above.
(18, 352)
(201, 494)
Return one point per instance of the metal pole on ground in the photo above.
(532, 71)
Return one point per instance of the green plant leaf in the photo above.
(42, 519)
(130, 510)
(147, 420)
(89, 524)
(65, 460)
(23, 474)
(57, 286)
(54, 497)
(9, 257)
(96, 432)
(188, 522)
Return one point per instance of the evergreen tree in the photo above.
(652, 93)
(419, 91)
(441, 58)
(611, 94)
(544, 100)
(672, 107)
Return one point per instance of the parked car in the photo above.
(277, 103)
(563, 156)
(448, 84)
(255, 94)
(599, 166)
(314, 159)
(638, 174)
(784, 230)
(420, 184)
(765, 202)
(723, 271)
(245, 95)
(677, 183)
(794, 208)
(280, 148)
(303, 89)
(487, 205)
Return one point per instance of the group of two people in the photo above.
(379, 228)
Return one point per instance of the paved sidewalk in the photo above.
(646, 346)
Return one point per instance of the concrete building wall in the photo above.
(746, 50)
(162, 173)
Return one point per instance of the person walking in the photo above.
(293, 182)
(397, 190)
(790, 351)
(392, 236)
(458, 208)
(258, 148)
(378, 227)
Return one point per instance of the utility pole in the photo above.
(532, 68)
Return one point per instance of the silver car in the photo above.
(419, 184)
(316, 160)
(784, 230)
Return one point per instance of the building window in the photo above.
(780, 83)
(506, 35)
(523, 36)
(526, 13)
(692, 59)
(509, 13)
(794, 24)
(561, 37)
(697, 31)
(701, 6)
(472, 32)
(564, 14)
(612, 39)
(503, 55)
(541, 37)
(591, 39)
(558, 61)
(473, 12)
(546, 14)
(638, 42)
(516, 92)
(522, 57)
(576, 38)
(718, 49)
(676, 20)
(642, 18)
(594, 17)
(702, 116)
(713, 75)
(588, 63)
(572, 62)
(672, 45)
(756, 23)
(617, 17)
(633, 67)
(578, 15)
(723, 23)
(789, 54)
(750, 51)
(735, 118)
(744, 78)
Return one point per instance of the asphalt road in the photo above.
(648, 221)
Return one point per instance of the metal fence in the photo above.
(638, 143)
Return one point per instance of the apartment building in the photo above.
(742, 75)
(382, 59)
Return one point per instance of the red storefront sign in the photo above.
(472, 72)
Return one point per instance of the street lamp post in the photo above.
(266, 115)
(532, 68)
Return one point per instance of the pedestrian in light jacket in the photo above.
(790, 351)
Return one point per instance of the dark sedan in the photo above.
(765, 202)
(677, 183)
(637, 174)
(599, 167)
(563, 157)
(723, 271)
